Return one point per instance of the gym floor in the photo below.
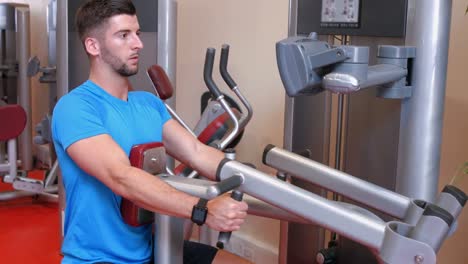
(29, 229)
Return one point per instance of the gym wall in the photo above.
(454, 143)
(251, 28)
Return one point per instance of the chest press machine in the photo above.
(416, 238)
(420, 227)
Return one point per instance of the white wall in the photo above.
(454, 141)
(251, 28)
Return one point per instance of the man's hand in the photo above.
(226, 214)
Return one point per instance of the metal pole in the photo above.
(169, 230)
(167, 40)
(62, 48)
(288, 134)
(24, 89)
(422, 114)
(360, 228)
(337, 181)
(62, 86)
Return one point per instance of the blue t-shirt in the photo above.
(94, 229)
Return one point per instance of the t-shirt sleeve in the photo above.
(74, 119)
(165, 116)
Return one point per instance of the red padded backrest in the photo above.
(12, 121)
(160, 81)
(132, 213)
(208, 132)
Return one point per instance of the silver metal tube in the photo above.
(169, 239)
(224, 142)
(5, 196)
(47, 197)
(201, 188)
(5, 167)
(62, 48)
(167, 41)
(62, 87)
(51, 189)
(422, 114)
(449, 203)
(178, 119)
(360, 228)
(339, 136)
(195, 187)
(12, 157)
(260, 208)
(354, 188)
(173, 112)
(52, 175)
(244, 120)
(24, 89)
(289, 108)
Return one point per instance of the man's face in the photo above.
(121, 44)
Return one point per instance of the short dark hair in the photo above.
(95, 13)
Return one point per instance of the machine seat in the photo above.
(12, 121)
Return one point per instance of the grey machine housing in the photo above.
(308, 66)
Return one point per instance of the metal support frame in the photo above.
(393, 242)
(169, 230)
(422, 104)
(11, 166)
(337, 181)
(422, 114)
(24, 88)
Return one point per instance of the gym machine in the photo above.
(388, 116)
(415, 239)
(16, 95)
(313, 66)
(15, 87)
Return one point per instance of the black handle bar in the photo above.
(208, 71)
(223, 67)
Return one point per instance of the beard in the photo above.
(117, 64)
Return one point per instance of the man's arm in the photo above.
(184, 147)
(101, 157)
(205, 160)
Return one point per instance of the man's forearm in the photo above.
(151, 193)
(206, 161)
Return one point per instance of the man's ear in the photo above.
(92, 46)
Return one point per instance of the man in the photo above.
(94, 128)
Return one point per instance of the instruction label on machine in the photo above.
(340, 14)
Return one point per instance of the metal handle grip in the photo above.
(224, 237)
(208, 71)
(223, 67)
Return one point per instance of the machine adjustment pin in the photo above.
(418, 259)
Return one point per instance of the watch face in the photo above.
(199, 215)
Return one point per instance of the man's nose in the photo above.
(137, 43)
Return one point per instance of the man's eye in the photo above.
(124, 35)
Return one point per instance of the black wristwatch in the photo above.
(199, 212)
